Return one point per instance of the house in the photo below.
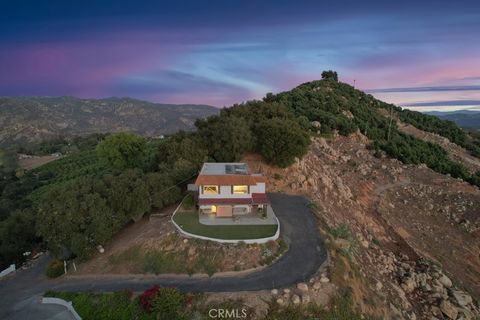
(229, 190)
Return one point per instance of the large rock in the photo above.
(305, 298)
(303, 287)
(448, 309)
(461, 298)
(445, 281)
(342, 243)
(295, 299)
(409, 284)
(316, 124)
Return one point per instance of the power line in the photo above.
(178, 183)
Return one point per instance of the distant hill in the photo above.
(25, 120)
(464, 118)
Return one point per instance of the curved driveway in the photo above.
(298, 228)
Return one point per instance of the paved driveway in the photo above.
(298, 228)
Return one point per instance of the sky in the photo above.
(422, 55)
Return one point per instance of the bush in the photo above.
(146, 298)
(281, 141)
(169, 303)
(187, 203)
(55, 269)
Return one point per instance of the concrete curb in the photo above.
(248, 241)
(61, 302)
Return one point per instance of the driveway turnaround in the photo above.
(298, 228)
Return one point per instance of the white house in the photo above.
(230, 189)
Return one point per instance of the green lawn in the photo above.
(188, 221)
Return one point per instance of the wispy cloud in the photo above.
(425, 89)
(444, 103)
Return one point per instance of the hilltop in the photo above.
(27, 120)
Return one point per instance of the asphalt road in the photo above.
(298, 228)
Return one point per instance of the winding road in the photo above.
(298, 228)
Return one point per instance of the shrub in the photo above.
(341, 231)
(55, 269)
(187, 203)
(169, 303)
(146, 298)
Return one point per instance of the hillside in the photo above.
(33, 119)
(465, 118)
(396, 193)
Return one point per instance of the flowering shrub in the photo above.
(146, 298)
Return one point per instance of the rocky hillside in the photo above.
(33, 119)
(403, 239)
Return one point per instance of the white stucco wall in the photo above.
(226, 192)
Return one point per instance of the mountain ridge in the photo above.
(27, 120)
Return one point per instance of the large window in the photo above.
(239, 189)
(210, 189)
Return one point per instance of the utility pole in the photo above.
(354, 83)
(390, 124)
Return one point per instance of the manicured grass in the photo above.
(188, 221)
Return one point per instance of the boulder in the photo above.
(324, 279)
(448, 309)
(303, 287)
(365, 244)
(445, 281)
(274, 292)
(305, 298)
(317, 285)
(316, 124)
(461, 298)
(378, 286)
(342, 243)
(280, 301)
(295, 299)
(409, 284)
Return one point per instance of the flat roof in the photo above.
(224, 168)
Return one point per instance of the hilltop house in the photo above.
(231, 190)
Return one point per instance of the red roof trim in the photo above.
(259, 198)
(217, 201)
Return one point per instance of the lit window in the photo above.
(240, 189)
(210, 189)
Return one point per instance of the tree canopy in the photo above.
(123, 150)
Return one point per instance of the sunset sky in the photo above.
(222, 52)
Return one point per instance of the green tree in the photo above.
(281, 141)
(17, 235)
(127, 195)
(8, 161)
(123, 150)
(227, 138)
(74, 216)
(330, 75)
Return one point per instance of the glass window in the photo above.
(240, 189)
(210, 189)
